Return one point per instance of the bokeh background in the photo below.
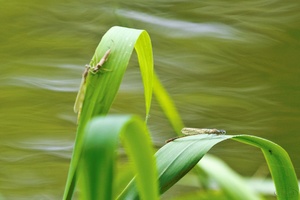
(232, 65)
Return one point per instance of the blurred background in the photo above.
(231, 65)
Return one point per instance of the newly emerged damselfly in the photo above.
(82, 88)
(197, 131)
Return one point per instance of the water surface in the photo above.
(232, 66)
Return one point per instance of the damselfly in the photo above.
(196, 131)
(81, 92)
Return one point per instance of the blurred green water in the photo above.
(232, 66)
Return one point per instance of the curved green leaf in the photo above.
(177, 158)
(101, 87)
(280, 165)
(98, 157)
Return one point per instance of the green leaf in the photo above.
(280, 165)
(101, 87)
(97, 165)
(167, 105)
(231, 183)
(177, 158)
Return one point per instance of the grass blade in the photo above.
(101, 87)
(167, 105)
(177, 158)
(98, 158)
(228, 180)
(280, 165)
